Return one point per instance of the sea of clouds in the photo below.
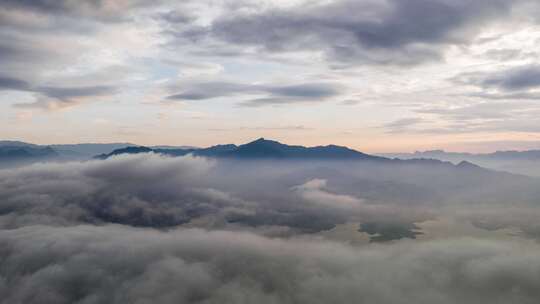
(153, 229)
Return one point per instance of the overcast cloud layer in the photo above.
(147, 72)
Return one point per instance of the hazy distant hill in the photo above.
(519, 162)
(17, 153)
(24, 152)
(20, 153)
(88, 150)
(15, 143)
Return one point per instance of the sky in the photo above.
(374, 75)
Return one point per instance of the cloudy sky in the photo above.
(376, 75)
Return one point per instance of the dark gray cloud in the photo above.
(515, 79)
(275, 94)
(390, 32)
(176, 17)
(25, 56)
(99, 10)
(509, 54)
(50, 6)
(208, 90)
(506, 96)
(520, 78)
(521, 82)
(60, 6)
(64, 95)
(7, 83)
(309, 90)
(403, 125)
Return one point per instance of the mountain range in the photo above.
(270, 150)
(441, 154)
(272, 167)
(15, 153)
(258, 149)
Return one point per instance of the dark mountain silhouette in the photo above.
(127, 150)
(260, 149)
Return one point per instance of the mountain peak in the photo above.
(263, 140)
(466, 164)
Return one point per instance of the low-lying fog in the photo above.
(153, 229)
